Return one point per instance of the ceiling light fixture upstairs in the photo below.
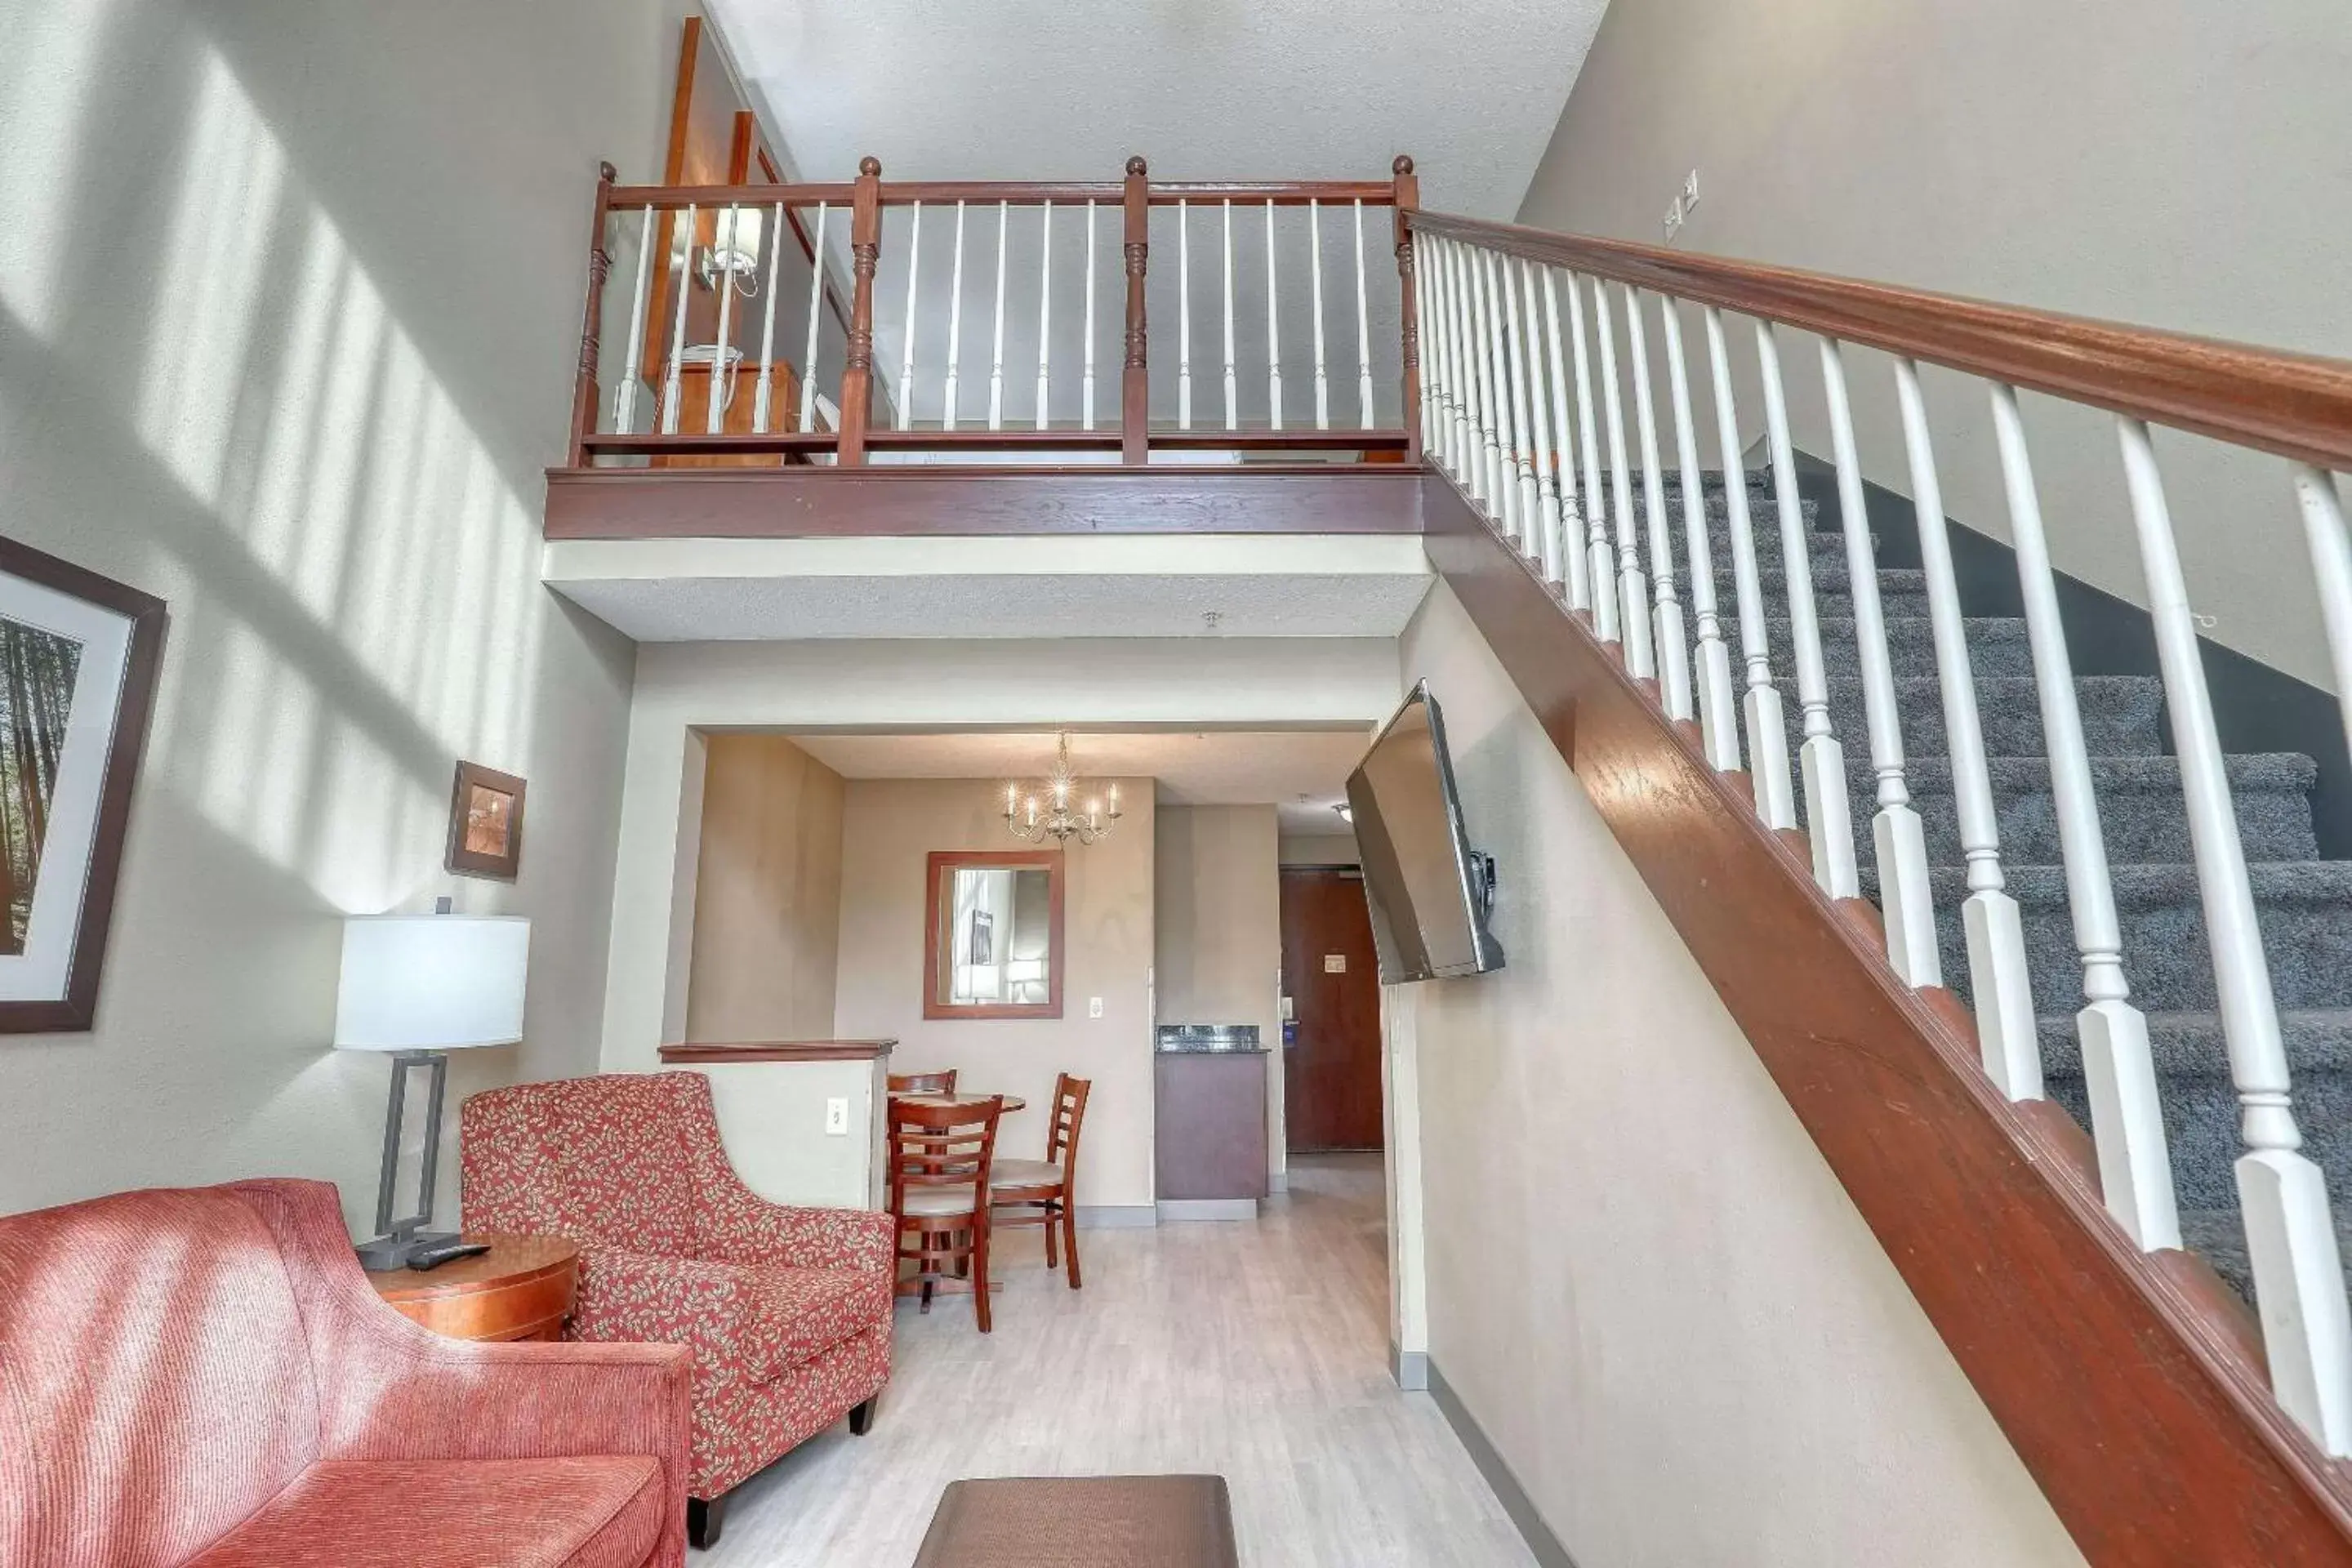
(1058, 807)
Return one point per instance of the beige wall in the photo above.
(1217, 894)
(288, 322)
(767, 902)
(889, 827)
(2181, 166)
(1319, 849)
(1706, 1317)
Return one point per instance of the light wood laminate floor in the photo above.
(1257, 1351)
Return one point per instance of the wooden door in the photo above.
(1331, 1070)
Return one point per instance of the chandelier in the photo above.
(1054, 806)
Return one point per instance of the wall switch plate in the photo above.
(1093, 1007)
(836, 1116)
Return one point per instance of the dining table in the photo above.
(1013, 1102)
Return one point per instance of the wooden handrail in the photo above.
(671, 198)
(2296, 405)
(902, 192)
(1281, 193)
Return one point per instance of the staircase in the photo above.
(2305, 902)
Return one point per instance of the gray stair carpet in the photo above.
(2304, 902)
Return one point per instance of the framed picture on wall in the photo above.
(983, 938)
(485, 823)
(78, 656)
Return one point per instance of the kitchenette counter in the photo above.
(1211, 1114)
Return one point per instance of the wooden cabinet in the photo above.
(1211, 1138)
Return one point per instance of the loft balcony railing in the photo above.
(889, 321)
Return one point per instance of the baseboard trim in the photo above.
(1208, 1208)
(1410, 1368)
(1116, 1216)
(1541, 1542)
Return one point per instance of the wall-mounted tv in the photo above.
(1430, 892)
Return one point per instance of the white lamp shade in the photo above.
(432, 982)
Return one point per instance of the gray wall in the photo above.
(2183, 166)
(1643, 1281)
(288, 315)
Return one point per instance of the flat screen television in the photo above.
(1431, 893)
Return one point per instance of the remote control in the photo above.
(435, 1257)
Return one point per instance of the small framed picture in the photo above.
(78, 656)
(485, 823)
(983, 938)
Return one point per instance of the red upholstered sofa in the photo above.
(787, 1310)
(204, 1376)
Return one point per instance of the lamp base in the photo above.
(395, 1251)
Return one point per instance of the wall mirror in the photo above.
(992, 936)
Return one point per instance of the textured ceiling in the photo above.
(1303, 772)
(1206, 89)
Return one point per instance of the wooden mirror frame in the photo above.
(944, 861)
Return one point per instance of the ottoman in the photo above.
(1083, 1521)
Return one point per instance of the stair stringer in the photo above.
(2130, 1384)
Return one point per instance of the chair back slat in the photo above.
(923, 1082)
(941, 1145)
(1068, 1116)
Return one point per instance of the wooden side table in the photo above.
(521, 1289)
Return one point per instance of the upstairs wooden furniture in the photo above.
(941, 1158)
(787, 1310)
(202, 1376)
(1043, 1192)
(521, 1289)
(923, 1082)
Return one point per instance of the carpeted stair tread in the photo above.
(2121, 714)
(2216, 1235)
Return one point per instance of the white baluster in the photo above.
(1674, 652)
(906, 360)
(2126, 1111)
(1045, 308)
(1717, 709)
(955, 328)
(1503, 483)
(1457, 445)
(1232, 400)
(625, 395)
(1820, 759)
(997, 348)
(1898, 842)
(2331, 563)
(671, 389)
(1547, 455)
(815, 317)
(714, 406)
(763, 395)
(1523, 446)
(2290, 1237)
(1363, 328)
(1480, 379)
(1996, 934)
(1183, 318)
(1315, 271)
(1768, 740)
(1434, 394)
(1575, 562)
(1604, 567)
(1087, 383)
(1632, 587)
(1273, 330)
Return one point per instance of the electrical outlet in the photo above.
(1093, 1007)
(1690, 192)
(836, 1116)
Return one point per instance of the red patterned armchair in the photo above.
(787, 1310)
(204, 1376)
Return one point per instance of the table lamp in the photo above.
(420, 987)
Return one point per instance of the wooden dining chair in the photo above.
(923, 1082)
(941, 1159)
(1044, 1191)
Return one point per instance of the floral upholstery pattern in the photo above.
(786, 1309)
(237, 1394)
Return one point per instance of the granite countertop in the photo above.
(1207, 1039)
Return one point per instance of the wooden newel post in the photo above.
(1135, 375)
(600, 262)
(857, 365)
(1408, 198)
